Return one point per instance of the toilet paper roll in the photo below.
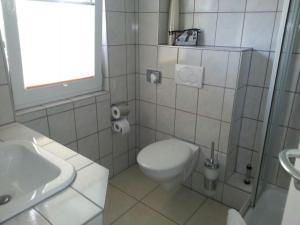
(118, 111)
(121, 126)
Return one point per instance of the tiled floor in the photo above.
(134, 199)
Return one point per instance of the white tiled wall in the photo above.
(200, 116)
(242, 24)
(223, 23)
(134, 30)
(84, 123)
(231, 22)
(253, 115)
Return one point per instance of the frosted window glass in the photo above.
(57, 41)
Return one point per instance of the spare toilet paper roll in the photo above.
(121, 126)
(119, 111)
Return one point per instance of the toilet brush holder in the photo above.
(211, 174)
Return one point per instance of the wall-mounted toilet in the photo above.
(169, 162)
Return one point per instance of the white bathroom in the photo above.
(149, 112)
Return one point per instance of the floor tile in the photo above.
(178, 205)
(134, 182)
(143, 215)
(211, 213)
(117, 203)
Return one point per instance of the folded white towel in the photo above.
(235, 218)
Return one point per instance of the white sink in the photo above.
(29, 174)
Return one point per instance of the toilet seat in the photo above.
(165, 158)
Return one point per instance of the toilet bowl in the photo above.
(169, 162)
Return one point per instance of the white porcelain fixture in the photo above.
(189, 75)
(169, 162)
(28, 175)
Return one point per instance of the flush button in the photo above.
(153, 76)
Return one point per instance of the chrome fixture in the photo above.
(284, 159)
(4, 199)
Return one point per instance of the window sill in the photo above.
(214, 48)
(32, 113)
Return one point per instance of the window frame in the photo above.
(24, 98)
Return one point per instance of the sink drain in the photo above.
(4, 199)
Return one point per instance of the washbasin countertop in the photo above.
(80, 203)
(29, 174)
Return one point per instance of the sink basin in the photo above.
(28, 175)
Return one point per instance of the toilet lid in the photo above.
(164, 155)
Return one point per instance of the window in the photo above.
(52, 49)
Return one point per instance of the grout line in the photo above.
(176, 96)
(70, 157)
(244, 20)
(123, 214)
(110, 103)
(178, 109)
(174, 122)
(60, 112)
(48, 123)
(222, 109)
(273, 29)
(196, 210)
(83, 195)
(233, 12)
(94, 217)
(143, 203)
(98, 133)
(204, 84)
(90, 164)
(216, 27)
(203, 146)
(126, 83)
(197, 106)
(156, 92)
(44, 217)
(242, 113)
(124, 192)
(150, 192)
(140, 201)
(214, 48)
